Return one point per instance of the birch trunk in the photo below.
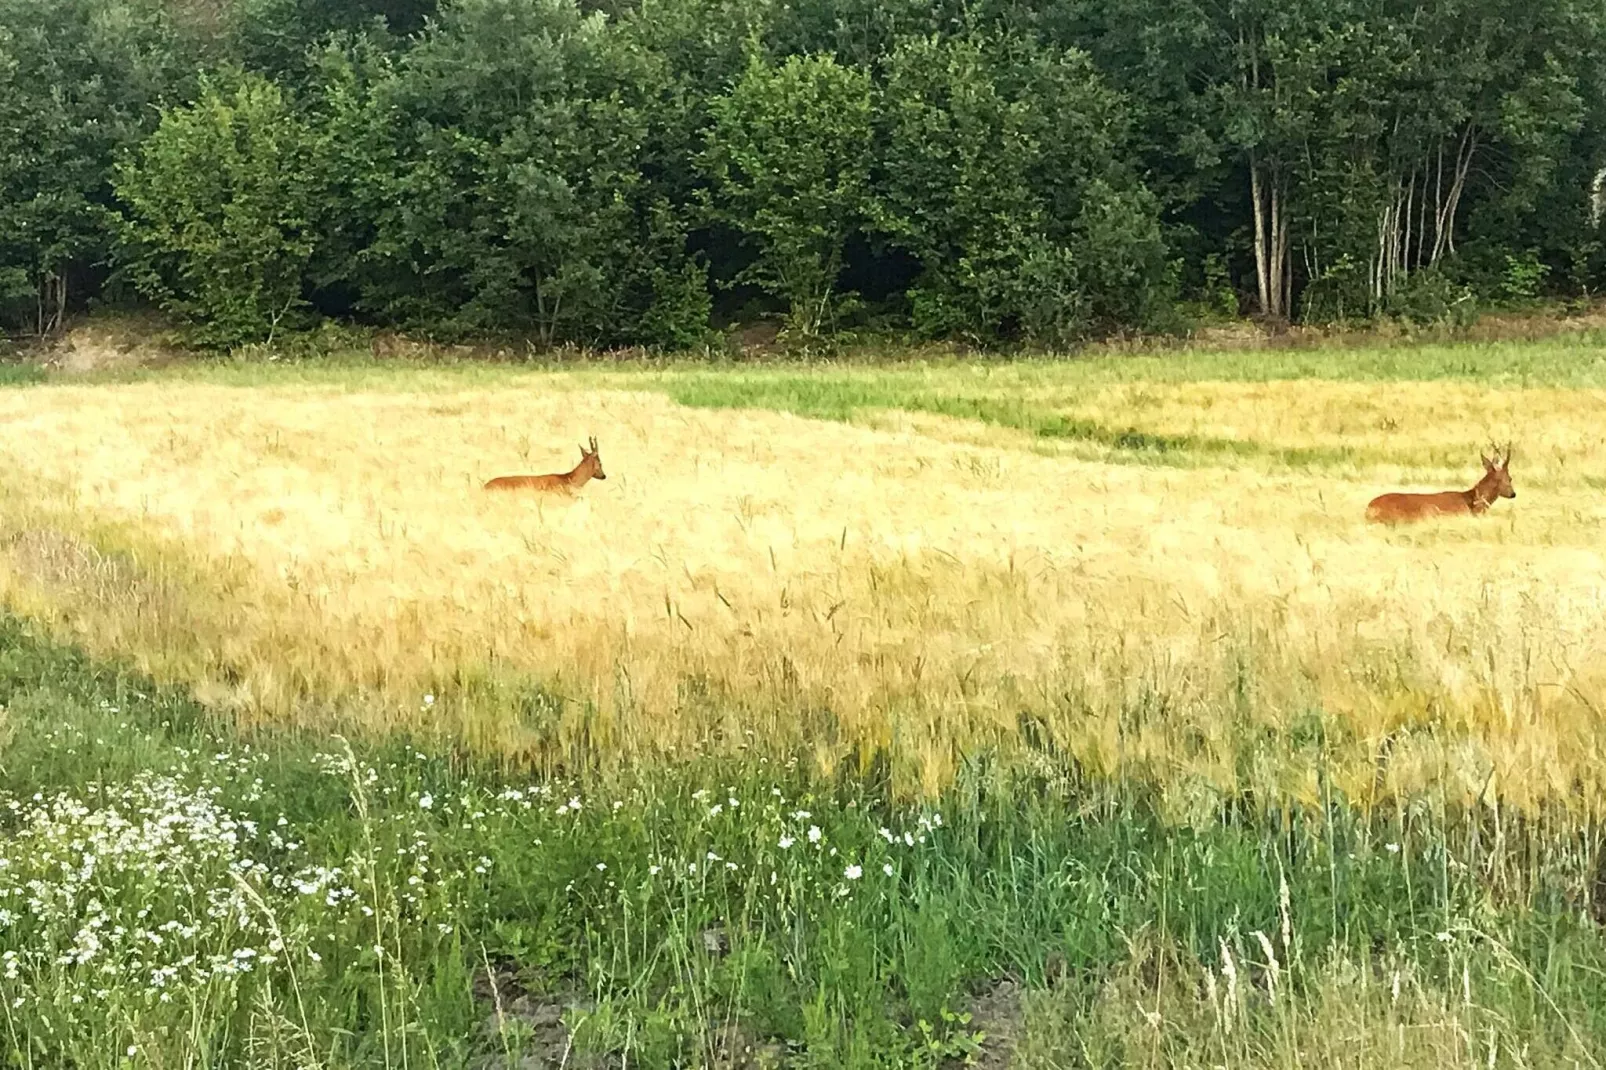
(1272, 275)
(1257, 195)
(1449, 200)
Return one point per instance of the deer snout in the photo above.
(599, 475)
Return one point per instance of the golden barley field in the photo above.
(909, 585)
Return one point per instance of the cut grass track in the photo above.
(1166, 409)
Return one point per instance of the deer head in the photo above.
(590, 458)
(1496, 481)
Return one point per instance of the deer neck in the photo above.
(579, 474)
(1481, 496)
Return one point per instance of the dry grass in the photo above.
(914, 588)
(1165, 1008)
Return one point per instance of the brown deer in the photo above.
(590, 467)
(1496, 483)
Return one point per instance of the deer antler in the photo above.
(593, 443)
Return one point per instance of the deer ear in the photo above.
(1488, 465)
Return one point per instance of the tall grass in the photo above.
(908, 589)
(171, 896)
(863, 717)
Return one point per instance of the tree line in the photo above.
(629, 172)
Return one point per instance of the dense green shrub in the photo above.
(223, 204)
(77, 83)
(1004, 177)
(788, 158)
(493, 178)
(626, 172)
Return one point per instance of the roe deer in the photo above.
(1496, 483)
(590, 467)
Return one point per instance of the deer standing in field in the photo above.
(590, 467)
(1496, 483)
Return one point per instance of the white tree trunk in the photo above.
(1257, 195)
(1272, 276)
(1448, 200)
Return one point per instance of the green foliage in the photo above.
(678, 311)
(1432, 298)
(624, 172)
(949, 1040)
(223, 204)
(492, 178)
(1217, 291)
(958, 191)
(280, 37)
(1523, 276)
(1003, 177)
(1380, 138)
(788, 157)
(78, 80)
